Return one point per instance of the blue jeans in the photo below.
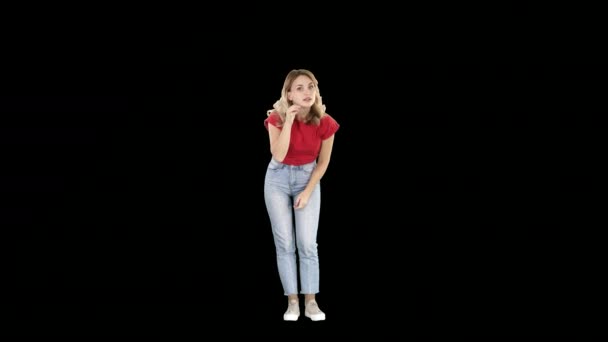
(282, 185)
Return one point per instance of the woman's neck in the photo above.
(302, 115)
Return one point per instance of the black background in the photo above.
(134, 165)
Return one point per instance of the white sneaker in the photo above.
(293, 311)
(313, 312)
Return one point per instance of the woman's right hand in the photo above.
(291, 113)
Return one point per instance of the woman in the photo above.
(301, 140)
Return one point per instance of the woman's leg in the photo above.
(307, 223)
(279, 207)
(307, 220)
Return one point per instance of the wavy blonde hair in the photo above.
(280, 107)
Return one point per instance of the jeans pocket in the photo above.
(309, 168)
(275, 165)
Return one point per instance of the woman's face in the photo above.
(303, 91)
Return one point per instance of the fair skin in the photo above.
(302, 95)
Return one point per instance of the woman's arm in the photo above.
(317, 174)
(279, 140)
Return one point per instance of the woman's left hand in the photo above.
(301, 200)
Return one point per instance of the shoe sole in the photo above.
(290, 317)
(316, 318)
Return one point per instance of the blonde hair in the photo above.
(280, 107)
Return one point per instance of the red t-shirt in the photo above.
(305, 141)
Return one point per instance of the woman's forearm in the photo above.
(316, 176)
(281, 145)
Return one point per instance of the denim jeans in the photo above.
(282, 184)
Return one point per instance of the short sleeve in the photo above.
(329, 126)
(273, 119)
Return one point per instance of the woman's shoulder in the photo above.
(328, 126)
(273, 114)
(326, 119)
(272, 118)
